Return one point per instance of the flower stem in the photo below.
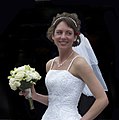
(31, 103)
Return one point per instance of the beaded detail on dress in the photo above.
(64, 92)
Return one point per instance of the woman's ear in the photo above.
(53, 37)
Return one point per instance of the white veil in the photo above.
(85, 50)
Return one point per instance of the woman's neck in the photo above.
(65, 54)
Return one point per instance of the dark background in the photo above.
(23, 26)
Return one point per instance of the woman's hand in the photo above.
(26, 92)
(23, 93)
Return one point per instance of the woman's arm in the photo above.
(39, 97)
(101, 101)
(36, 96)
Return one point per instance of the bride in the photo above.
(69, 75)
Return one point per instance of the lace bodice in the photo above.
(64, 92)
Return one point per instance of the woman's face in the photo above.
(63, 35)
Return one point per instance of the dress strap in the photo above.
(52, 63)
(72, 62)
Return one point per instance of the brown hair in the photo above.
(71, 20)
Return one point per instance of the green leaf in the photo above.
(24, 85)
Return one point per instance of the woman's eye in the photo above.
(69, 33)
(58, 32)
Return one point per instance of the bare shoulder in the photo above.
(81, 66)
(80, 61)
(48, 65)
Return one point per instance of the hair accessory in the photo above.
(77, 33)
(65, 17)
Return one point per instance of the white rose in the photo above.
(13, 87)
(36, 75)
(19, 75)
(14, 84)
(22, 68)
(29, 78)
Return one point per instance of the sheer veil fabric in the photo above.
(85, 50)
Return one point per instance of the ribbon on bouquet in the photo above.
(29, 97)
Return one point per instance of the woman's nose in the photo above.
(63, 35)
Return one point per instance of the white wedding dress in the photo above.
(64, 91)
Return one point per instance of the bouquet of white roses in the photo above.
(23, 78)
